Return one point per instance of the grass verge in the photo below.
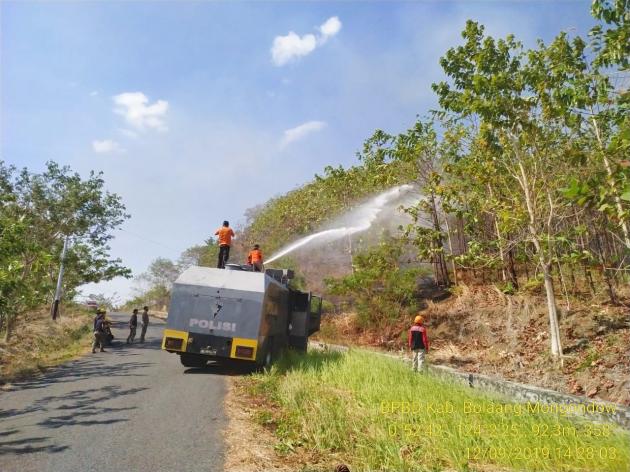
(40, 343)
(373, 413)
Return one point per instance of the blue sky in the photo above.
(197, 111)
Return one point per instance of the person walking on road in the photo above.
(133, 324)
(225, 234)
(99, 331)
(255, 258)
(145, 323)
(418, 342)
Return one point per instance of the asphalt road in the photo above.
(131, 408)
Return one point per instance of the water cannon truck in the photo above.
(238, 315)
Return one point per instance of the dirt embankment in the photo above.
(39, 342)
(479, 329)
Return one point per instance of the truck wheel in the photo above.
(298, 343)
(193, 360)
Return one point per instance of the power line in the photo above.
(148, 240)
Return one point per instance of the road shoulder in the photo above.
(249, 446)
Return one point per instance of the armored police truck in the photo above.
(237, 314)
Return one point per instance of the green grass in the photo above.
(350, 408)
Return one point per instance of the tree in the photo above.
(382, 290)
(204, 255)
(420, 146)
(162, 272)
(612, 44)
(37, 212)
(491, 80)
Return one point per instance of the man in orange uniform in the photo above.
(255, 258)
(225, 234)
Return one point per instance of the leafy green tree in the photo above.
(420, 147)
(204, 255)
(612, 39)
(162, 272)
(491, 81)
(380, 287)
(37, 212)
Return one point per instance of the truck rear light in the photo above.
(173, 343)
(244, 351)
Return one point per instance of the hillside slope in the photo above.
(479, 329)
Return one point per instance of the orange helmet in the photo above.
(418, 319)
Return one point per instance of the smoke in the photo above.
(357, 220)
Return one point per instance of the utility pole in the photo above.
(54, 311)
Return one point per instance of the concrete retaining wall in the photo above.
(595, 410)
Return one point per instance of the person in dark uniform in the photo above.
(99, 331)
(145, 323)
(133, 325)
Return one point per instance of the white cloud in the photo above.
(93, 93)
(300, 132)
(106, 146)
(292, 46)
(330, 28)
(134, 106)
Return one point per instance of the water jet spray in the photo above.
(359, 219)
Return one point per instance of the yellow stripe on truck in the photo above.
(243, 342)
(174, 334)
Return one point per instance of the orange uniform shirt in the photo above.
(225, 235)
(255, 255)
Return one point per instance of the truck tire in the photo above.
(298, 343)
(193, 360)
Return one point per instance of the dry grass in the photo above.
(38, 342)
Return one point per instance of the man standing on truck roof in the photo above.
(145, 323)
(225, 234)
(133, 324)
(418, 342)
(255, 258)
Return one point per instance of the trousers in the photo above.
(98, 340)
(143, 332)
(224, 256)
(418, 359)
